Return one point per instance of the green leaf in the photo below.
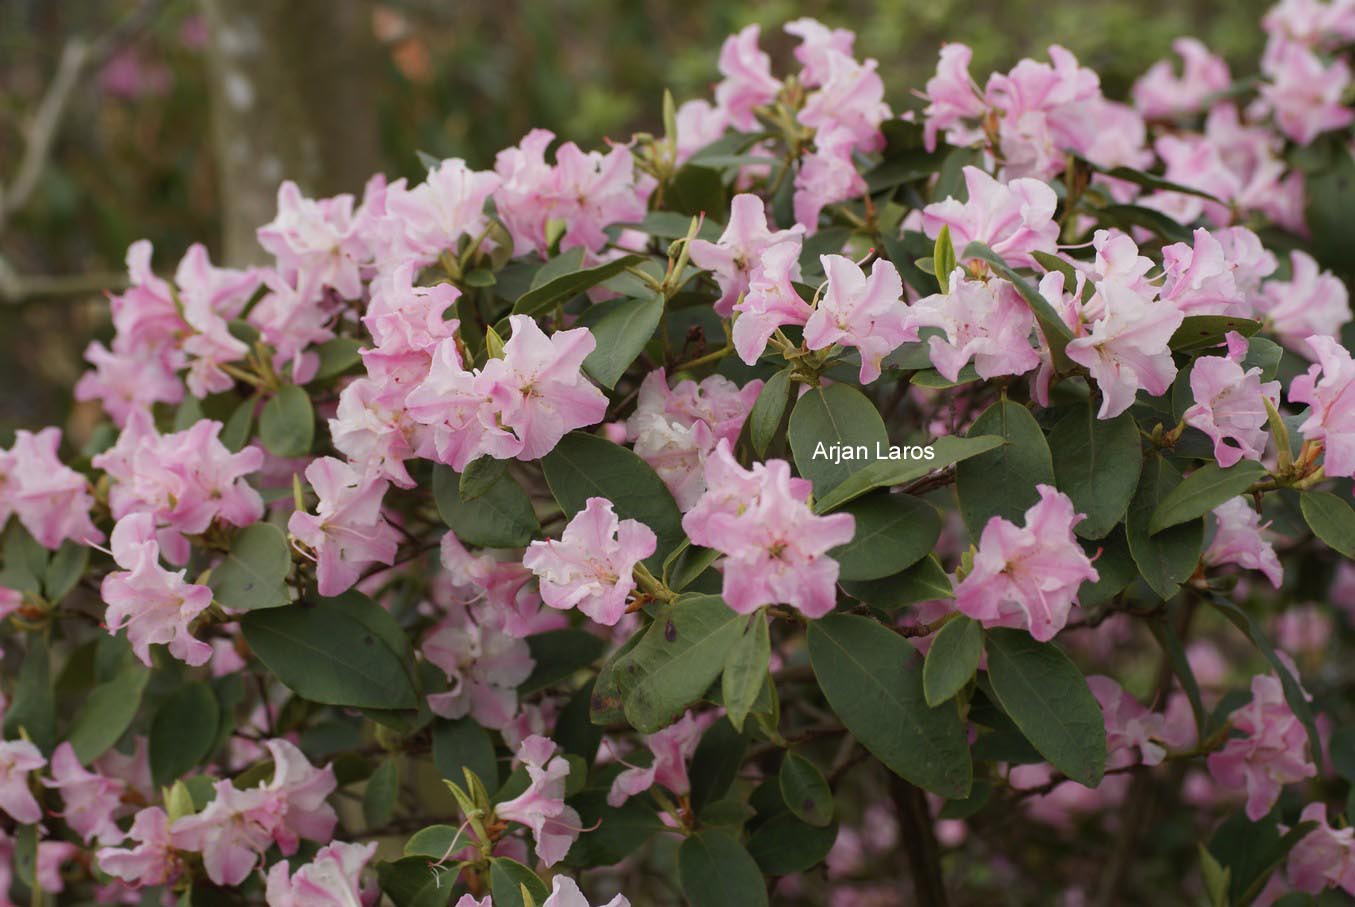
(461, 743)
(559, 654)
(1331, 519)
(383, 789)
(805, 791)
(334, 652)
(745, 669)
(236, 432)
(893, 532)
(107, 712)
(1250, 852)
(924, 581)
(952, 659)
(1127, 217)
(679, 656)
(697, 190)
(287, 423)
(338, 357)
(768, 409)
(946, 451)
(716, 871)
(501, 517)
(562, 287)
(1002, 481)
(1051, 325)
(1330, 194)
(1202, 332)
(254, 572)
(840, 415)
(943, 259)
(617, 831)
(1165, 559)
(33, 709)
(1148, 180)
(1202, 491)
(1097, 464)
(183, 732)
(605, 705)
(414, 882)
(437, 842)
(583, 466)
(508, 878)
(621, 327)
(1047, 697)
(1265, 354)
(784, 845)
(64, 570)
(716, 763)
(479, 476)
(872, 678)
(24, 560)
(25, 856)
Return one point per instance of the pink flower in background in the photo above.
(1329, 390)
(850, 98)
(1013, 219)
(771, 301)
(155, 606)
(317, 242)
(17, 759)
(124, 382)
(347, 532)
(432, 217)
(1272, 752)
(1126, 347)
(1238, 540)
(1303, 630)
(984, 321)
(953, 98)
(221, 291)
(671, 747)
(299, 790)
(88, 798)
(748, 81)
(372, 429)
(1304, 94)
(152, 860)
(1323, 858)
(819, 46)
(231, 832)
(483, 668)
(827, 175)
(590, 566)
(1160, 94)
(738, 252)
(1130, 726)
(775, 546)
(865, 313)
(1310, 302)
(1027, 577)
(293, 317)
(329, 880)
(1230, 403)
(505, 590)
(1199, 279)
(51, 500)
(565, 892)
(699, 124)
(541, 807)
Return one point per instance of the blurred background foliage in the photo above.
(137, 152)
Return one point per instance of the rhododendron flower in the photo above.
(152, 860)
(827, 175)
(748, 81)
(17, 759)
(432, 217)
(1130, 725)
(329, 880)
(484, 668)
(507, 597)
(88, 798)
(1013, 219)
(124, 383)
(1199, 279)
(293, 317)
(1126, 347)
(51, 500)
(541, 807)
(318, 242)
(1027, 577)
(953, 97)
(231, 832)
(347, 531)
(565, 892)
(699, 124)
(770, 302)
(1160, 94)
(1323, 858)
(590, 566)
(866, 313)
(1230, 403)
(1304, 94)
(775, 546)
(1272, 751)
(1303, 630)
(1331, 402)
(155, 606)
(299, 790)
(739, 249)
(374, 432)
(1310, 302)
(986, 321)
(850, 99)
(671, 747)
(1238, 540)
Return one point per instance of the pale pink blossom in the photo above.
(332, 879)
(125, 382)
(738, 252)
(1272, 751)
(372, 429)
(671, 747)
(953, 98)
(541, 807)
(51, 500)
(748, 81)
(1160, 94)
(1126, 347)
(1311, 301)
(1328, 388)
(1303, 629)
(483, 667)
(318, 242)
(347, 532)
(231, 832)
(1134, 734)
(1027, 577)
(850, 98)
(1238, 540)
(1013, 219)
(1305, 94)
(827, 175)
(152, 860)
(565, 892)
(435, 215)
(1323, 858)
(1043, 110)
(865, 313)
(771, 301)
(699, 124)
(292, 318)
(52, 855)
(1230, 403)
(504, 591)
(984, 321)
(17, 759)
(299, 791)
(88, 799)
(818, 47)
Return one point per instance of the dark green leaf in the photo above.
(414, 882)
(697, 190)
(501, 517)
(831, 420)
(617, 831)
(924, 581)
(716, 763)
(253, 574)
(64, 570)
(952, 659)
(946, 451)
(1097, 464)
(1331, 519)
(508, 878)
(562, 287)
(33, 709)
(716, 871)
(621, 327)
(1201, 332)
(1002, 481)
(461, 743)
(784, 845)
(768, 410)
(893, 532)
(107, 712)
(558, 654)
(479, 476)
(745, 669)
(1166, 559)
(1202, 491)
(805, 791)
(383, 789)
(183, 732)
(287, 422)
(437, 842)
(338, 357)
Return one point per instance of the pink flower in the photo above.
(125, 382)
(1230, 403)
(1303, 629)
(541, 807)
(454, 405)
(565, 892)
(1331, 402)
(372, 429)
(292, 317)
(770, 302)
(1304, 94)
(152, 861)
(590, 566)
(1028, 577)
(672, 747)
(850, 98)
(231, 832)
(1310, 302)
(1238, 540)
(986, 321)
(329, 880)
(51, 500)
(299, 790)
(867, 313)
(1129, 725)
(735, 256)
(1014, 219)
(155, 606)
(1272, 752)
(505, 590)
(51, 856)
(748, 82)
(1126, 348)
(953, 97)
(347, 531)
(17, 759)
(827, 175)
(89, 799)
(317, 242)
(407, 323)
(484, 668)
(1323, 858)
(775, 546)
(1159, 94)
(434, 216)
